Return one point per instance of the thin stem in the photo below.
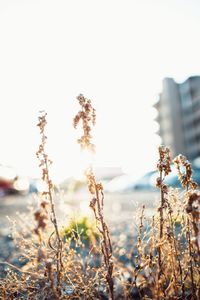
(177, 255)
(191, 265)
(106, 245)
(161, 227)
(54, 221)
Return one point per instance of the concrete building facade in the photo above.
(179, 116)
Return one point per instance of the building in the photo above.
(179, 116)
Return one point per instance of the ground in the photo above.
(121, 213)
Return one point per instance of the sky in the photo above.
(116, 53)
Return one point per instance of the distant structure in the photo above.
(179, 116)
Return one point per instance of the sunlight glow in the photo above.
(115, 53)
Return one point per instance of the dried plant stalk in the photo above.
(164, 169)
(88, 116)
(188, 183)
(174, 250)
(45, 162)
(193, 209)
(97, 204)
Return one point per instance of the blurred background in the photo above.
(138, 61)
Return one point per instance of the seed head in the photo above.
(164, 161)
(88, 116)
(185, 178)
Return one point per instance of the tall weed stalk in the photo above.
(87, 115)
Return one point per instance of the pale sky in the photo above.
(114, 52)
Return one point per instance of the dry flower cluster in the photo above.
(87, 115)
(185, 178)
(163, 263)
